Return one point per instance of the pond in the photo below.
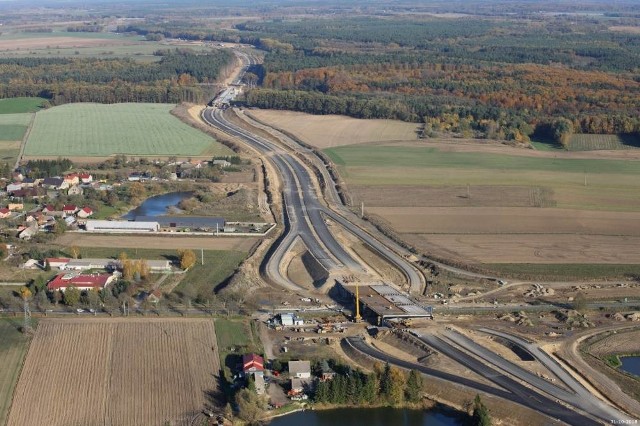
(630, 364)
(369, 416)
(158, 205)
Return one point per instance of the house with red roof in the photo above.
(85, 212)
(85, 178)
(252, 364)
(72, 179)
(69, 209)
(5, 213)
(82, 282)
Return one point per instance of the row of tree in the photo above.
(386, 384)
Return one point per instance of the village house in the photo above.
(82, 282)
(4, 213)
(15, 206)
(54, 183)
(252, 364)
(29, 183)
(12, 187)
(28, 193)
(85, 178)
(72, 179)
(300, 369)
(85, 212)
(18, 176)
(75, 190)
(69, 209)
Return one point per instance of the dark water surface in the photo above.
(157, 205)
(368, 417)
(630, 364)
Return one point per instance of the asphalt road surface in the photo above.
(511, 390)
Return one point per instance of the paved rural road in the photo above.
(511, 390)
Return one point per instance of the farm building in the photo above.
(113, 264)
(300, 369)
(193, 223)
(252, 364)
(81, 282)
(121, 226)
(57, 262)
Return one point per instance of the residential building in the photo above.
(72, 179)
(85, 212)
(69, 209)
(85, 178)
(300, 369)
(80, 281)
(15, 206)
(57, 262)
(5, 213)
(75, 190)
(252, 364)
(12, 187)
(54, 183)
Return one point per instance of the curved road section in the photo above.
(512, 390)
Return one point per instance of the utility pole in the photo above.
(26, 327)
(362, 209)
(202, 256)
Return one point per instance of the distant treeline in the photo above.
(173, 79)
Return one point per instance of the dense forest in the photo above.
(494, 78)
(174, 78)
(481, 77)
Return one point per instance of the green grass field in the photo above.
(20, 105)
(200, 279)
(95, 130)
(410, 157)
(218, 266)
(14, 126)
(235, 337)
(577, 271)
(585, 142)
(611, 184)
(13, 348)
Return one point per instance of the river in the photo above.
(631, 364)
(368, 416)
(157, 205)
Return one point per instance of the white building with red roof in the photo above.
(82, 282)
(69, 209)
(4, 213)
(85, 212)
(85, 178)
(252, 364)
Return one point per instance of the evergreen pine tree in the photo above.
(413, 389)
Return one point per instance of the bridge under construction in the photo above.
(382, 301)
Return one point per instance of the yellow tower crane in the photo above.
(357, 317)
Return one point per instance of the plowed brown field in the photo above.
(324, 131)
(116, 372)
